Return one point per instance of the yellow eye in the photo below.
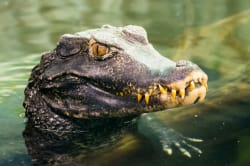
(98, 49)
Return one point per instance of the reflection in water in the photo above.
(213, 34)
(56, 148)
(17, 77)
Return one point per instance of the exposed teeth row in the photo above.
(174, 90)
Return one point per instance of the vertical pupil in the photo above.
(99, 50)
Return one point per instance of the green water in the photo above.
(214, 34)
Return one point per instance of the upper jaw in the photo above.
(185, 90)
(166, 91)
(158, 96)
(190, 90)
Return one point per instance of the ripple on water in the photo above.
(14, 75)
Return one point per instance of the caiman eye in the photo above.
(100, 51)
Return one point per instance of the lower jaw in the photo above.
(192, 97)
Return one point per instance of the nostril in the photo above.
(182, 63)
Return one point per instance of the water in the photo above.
(214, 34)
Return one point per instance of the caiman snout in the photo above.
(191, 89)
(185, 84)
(188, 85)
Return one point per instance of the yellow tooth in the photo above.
(154, 87)
(173, 93)
(147, 98)
(150, 91)
(139, 97)
(205, 85)
(162, 90)
(182, 93)
(192, 85)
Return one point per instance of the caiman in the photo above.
(107, 75)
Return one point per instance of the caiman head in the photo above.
(113, 72)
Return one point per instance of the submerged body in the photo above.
(98, 80)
